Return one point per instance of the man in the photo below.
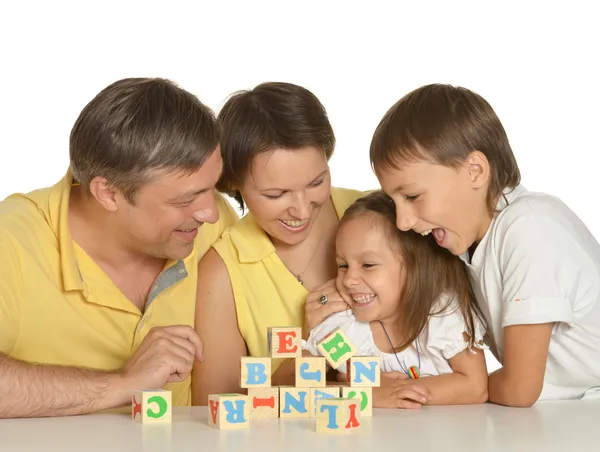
(98, 273)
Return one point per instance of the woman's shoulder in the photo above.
(345, 197)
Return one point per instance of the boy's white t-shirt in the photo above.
(441, 340)
(538, 263)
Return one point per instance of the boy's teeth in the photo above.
(424, 233)
(294, 223)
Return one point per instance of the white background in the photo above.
(537, 63)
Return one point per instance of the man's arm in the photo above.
(38, 390)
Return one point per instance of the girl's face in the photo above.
(285, 191)
(370, 271)
(448, 202)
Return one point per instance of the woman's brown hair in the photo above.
(432, 272)
(444, 124)
(273, 115)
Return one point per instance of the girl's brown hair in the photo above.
(444, 124)
(431, 271)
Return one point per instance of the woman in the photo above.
(276, 143)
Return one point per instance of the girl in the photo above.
(411, 304)
(444, 157)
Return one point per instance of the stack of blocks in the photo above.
(337, 409)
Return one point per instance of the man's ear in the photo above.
(478, 169)
(104, 193)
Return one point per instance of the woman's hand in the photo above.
(315, 311)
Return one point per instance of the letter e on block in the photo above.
(336, 348)
(228, 411)
(255, 372)
(151, 406)
(338, 416)
(284, 342)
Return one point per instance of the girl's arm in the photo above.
(520, 381)
(216, 324)
(467, 384)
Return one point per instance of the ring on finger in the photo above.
(323, 299)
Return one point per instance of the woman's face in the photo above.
(285, 191)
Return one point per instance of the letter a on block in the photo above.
(228, 411)
(336, 348)
(284, 342)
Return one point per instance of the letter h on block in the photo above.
(284, 342)
(151, 406)
(228, 411)
(336, 348)
(338, 415)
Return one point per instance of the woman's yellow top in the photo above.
(266, 293)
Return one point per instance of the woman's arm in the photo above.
(216, 324)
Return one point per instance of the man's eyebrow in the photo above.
(189, 194)
(285, 189)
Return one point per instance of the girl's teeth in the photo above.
(424, 233)
(294, 223)
(363, 299)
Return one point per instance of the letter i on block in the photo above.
(255, 372)
(228, 411)
(284, 342)
(336, 348)
(151, 406)
(310, 372)
(363, 371)
(338, 415)
(264, 403)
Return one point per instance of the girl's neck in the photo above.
(385, 331)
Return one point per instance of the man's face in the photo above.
(169, 209)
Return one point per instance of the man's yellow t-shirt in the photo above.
(58, 307)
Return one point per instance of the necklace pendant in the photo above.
(299, 278)
(413, 372)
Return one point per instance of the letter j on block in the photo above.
(336, 348)
(284, 342)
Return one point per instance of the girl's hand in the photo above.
(315, 312)
(399, 391)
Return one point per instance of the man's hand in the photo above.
(165, 355)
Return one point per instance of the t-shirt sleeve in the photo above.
(445, 334)
(10, 283)
(210, 233)
(541, 265)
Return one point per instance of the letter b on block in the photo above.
(255, 372)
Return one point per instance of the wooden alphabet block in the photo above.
(294, 402)
(228, 411)
(363, 371)
(285, 342)
(328, 392)
(336, 348)
(310, 372)
(365, 395)
(255, 372)
(151, 406)
(264, 403)
(338, 416)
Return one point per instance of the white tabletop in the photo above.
(548, 426)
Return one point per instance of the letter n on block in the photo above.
(338, 415)
(151, 406)
(228, 411)
(310, 372)
(264, 403)
(336, 348)
(284, 342)
(255, 372)
(294, 402)
(363, 371)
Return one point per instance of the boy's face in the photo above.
(449, 203)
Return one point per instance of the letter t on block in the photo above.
(285, 342)
(336, 348)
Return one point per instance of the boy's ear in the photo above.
(478, 169)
